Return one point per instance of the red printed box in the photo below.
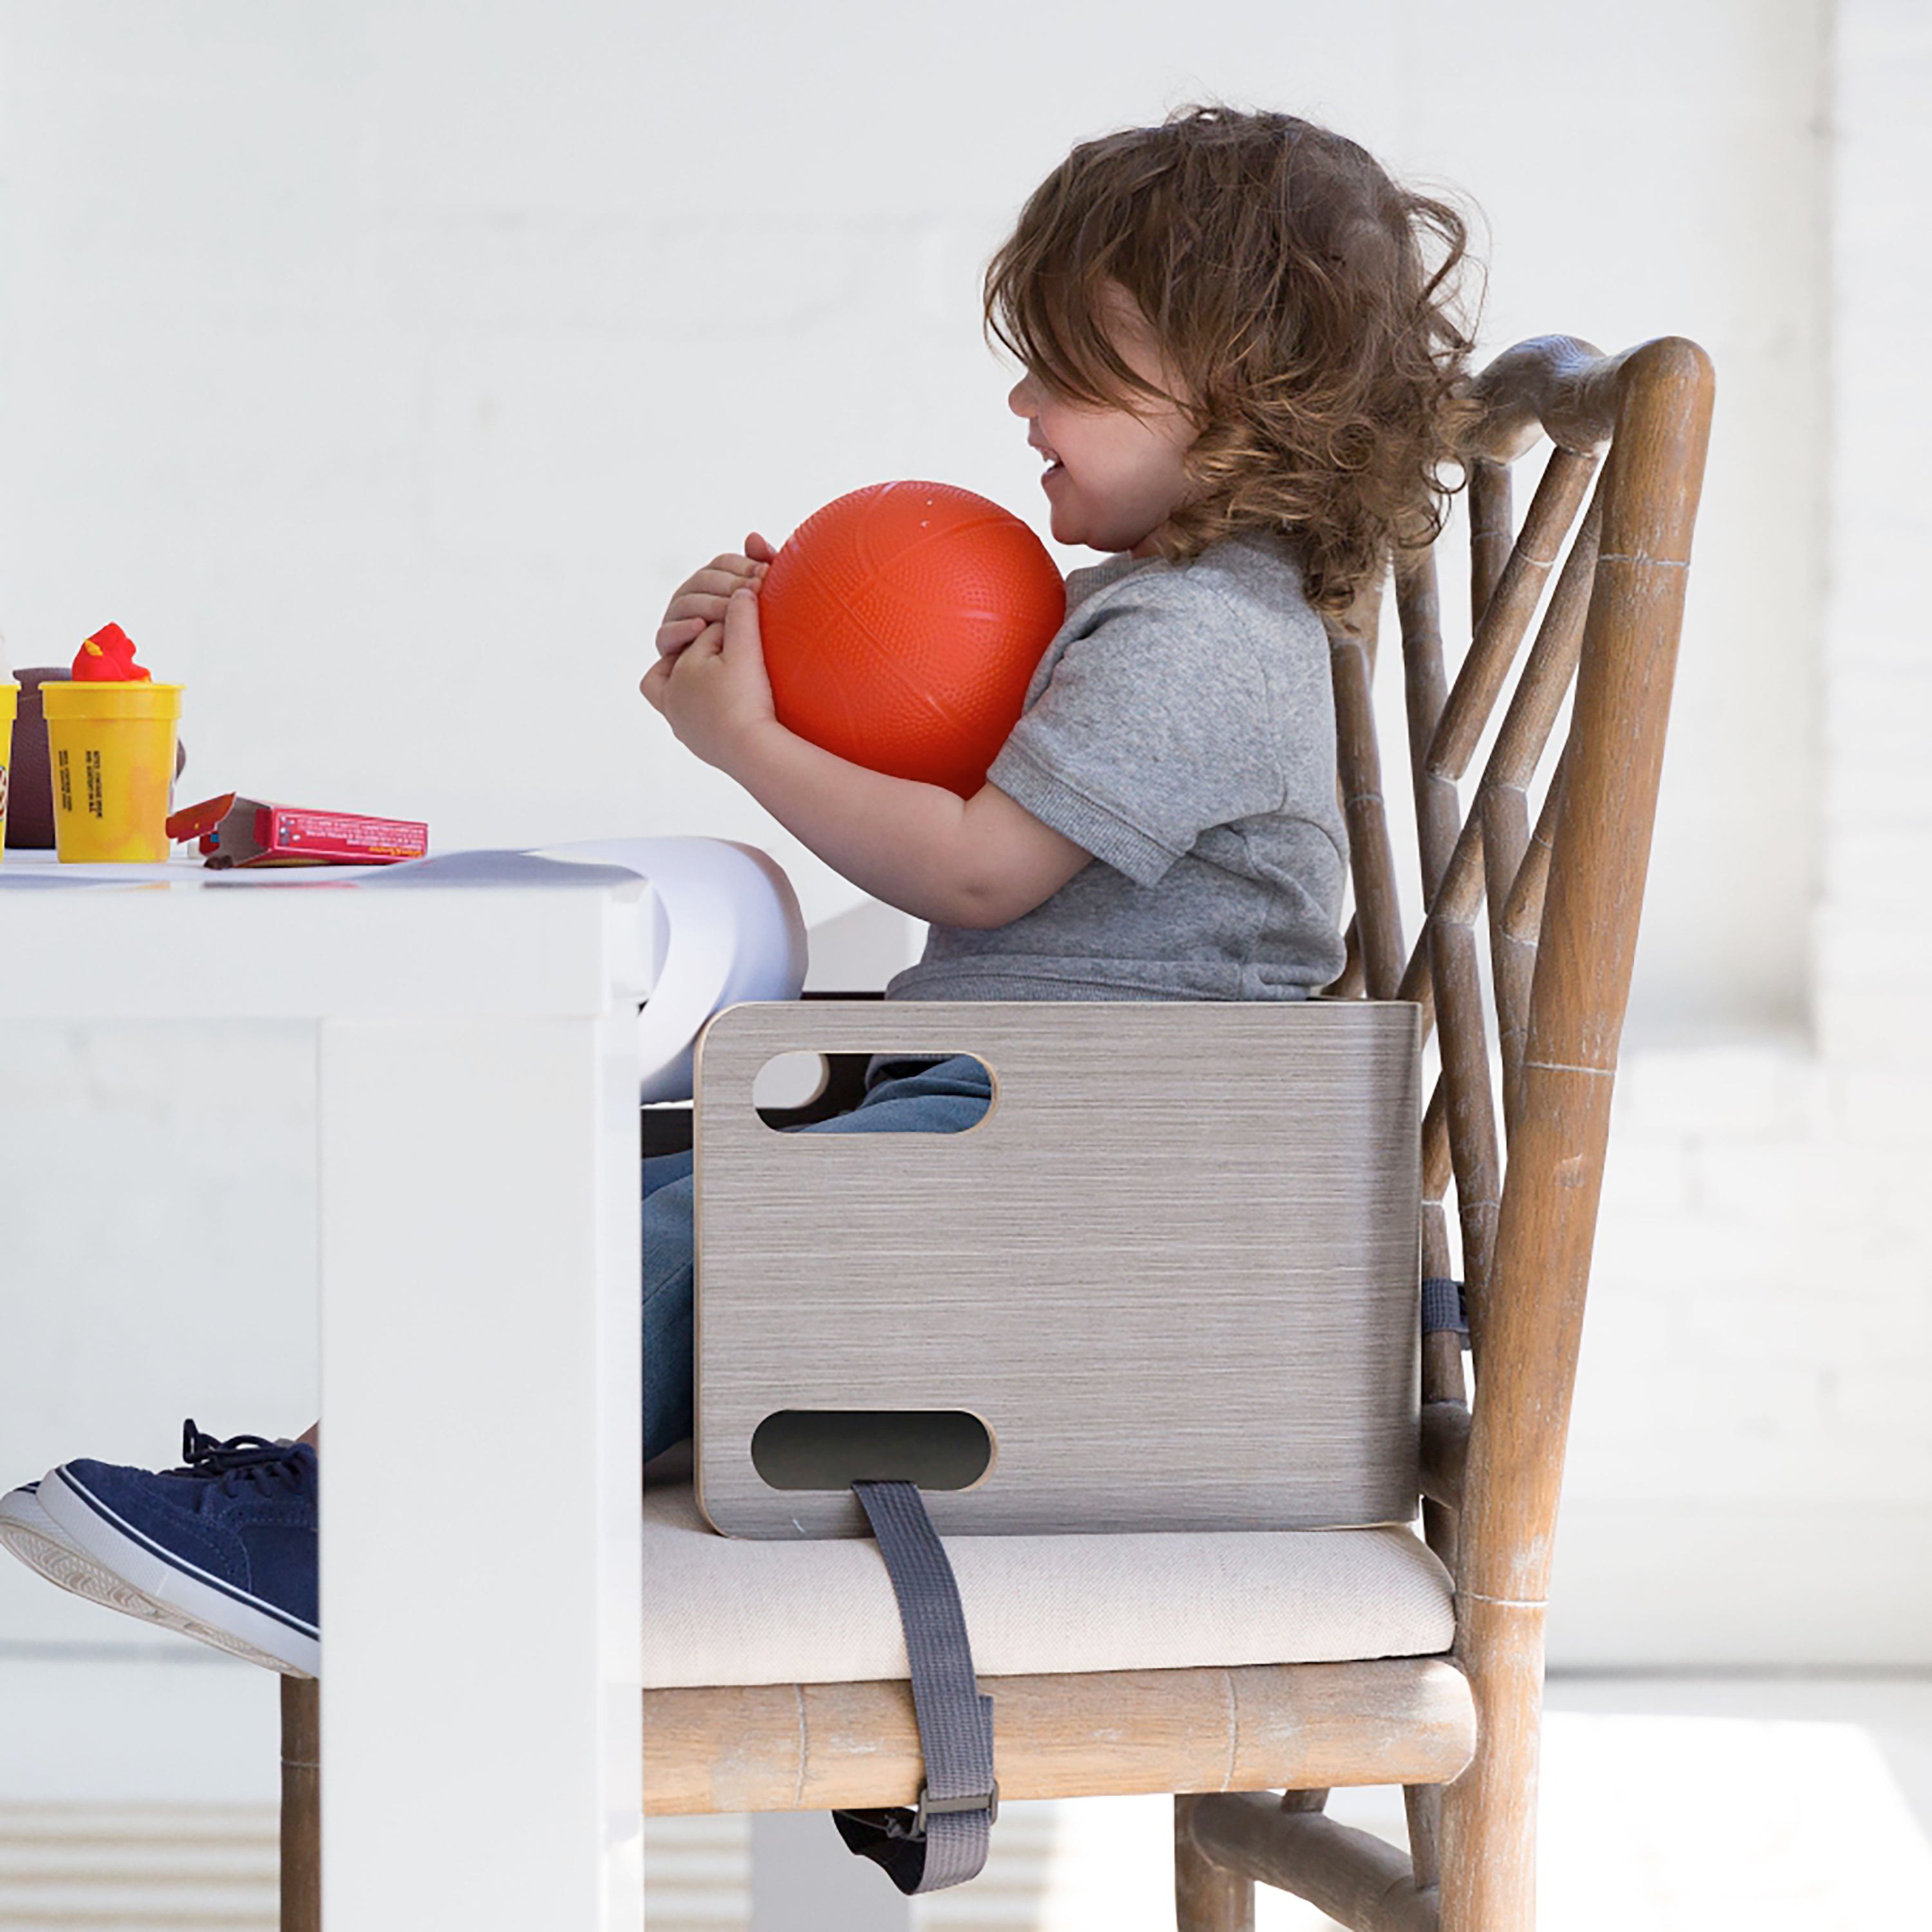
(235, 831)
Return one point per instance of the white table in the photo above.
(479, 1069)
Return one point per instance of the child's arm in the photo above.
(977, 862)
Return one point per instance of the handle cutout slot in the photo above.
(790, 1080)
(833, 1448)
(802, 1087)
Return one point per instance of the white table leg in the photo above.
(481, 1449)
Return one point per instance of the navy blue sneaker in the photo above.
(27, 1531)
(224, 1548)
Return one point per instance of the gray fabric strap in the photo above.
(1445, 1309)
(943, 1843)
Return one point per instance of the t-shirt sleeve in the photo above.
(1154, 725)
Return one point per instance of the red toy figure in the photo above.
(108, 658)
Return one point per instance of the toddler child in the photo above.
(1239, 349)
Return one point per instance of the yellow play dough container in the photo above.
(10, 697)
(111, 754)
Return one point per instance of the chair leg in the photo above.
(1423, 1803)
(301, 1805)
(1358, 1879)
(1488, 1841)
(1207, 1897)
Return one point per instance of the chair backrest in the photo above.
(1555, 842)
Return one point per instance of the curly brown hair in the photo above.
(1307, 305)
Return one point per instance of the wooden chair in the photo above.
(1514, 1132)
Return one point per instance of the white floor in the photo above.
(137, 1867)
(136, 1792)
(137, 1789)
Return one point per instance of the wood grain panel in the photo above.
(1173, 1269)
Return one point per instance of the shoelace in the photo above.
(253, 1461)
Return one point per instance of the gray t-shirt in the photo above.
(1181, 727)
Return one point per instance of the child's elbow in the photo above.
(980, 904)
(1000, 863)
(976, 914)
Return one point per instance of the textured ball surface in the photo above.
(901, 625)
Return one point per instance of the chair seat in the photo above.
(720, 1611)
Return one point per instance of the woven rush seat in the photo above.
(720, 1611)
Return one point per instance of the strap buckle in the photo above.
(930, 1807)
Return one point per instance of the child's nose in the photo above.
(1023, 399)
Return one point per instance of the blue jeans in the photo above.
(941, 1097)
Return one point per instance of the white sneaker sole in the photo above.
(73, 1541)
(27, 1531)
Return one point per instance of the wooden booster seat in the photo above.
(1249, 1669)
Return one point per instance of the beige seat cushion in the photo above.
(719, 1610)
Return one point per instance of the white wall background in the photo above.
(382, 366)
(1752, 1466)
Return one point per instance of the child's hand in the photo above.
(699, 600)
(713, 689)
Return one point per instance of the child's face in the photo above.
(1114, 476)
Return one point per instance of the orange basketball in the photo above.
(901, 625)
